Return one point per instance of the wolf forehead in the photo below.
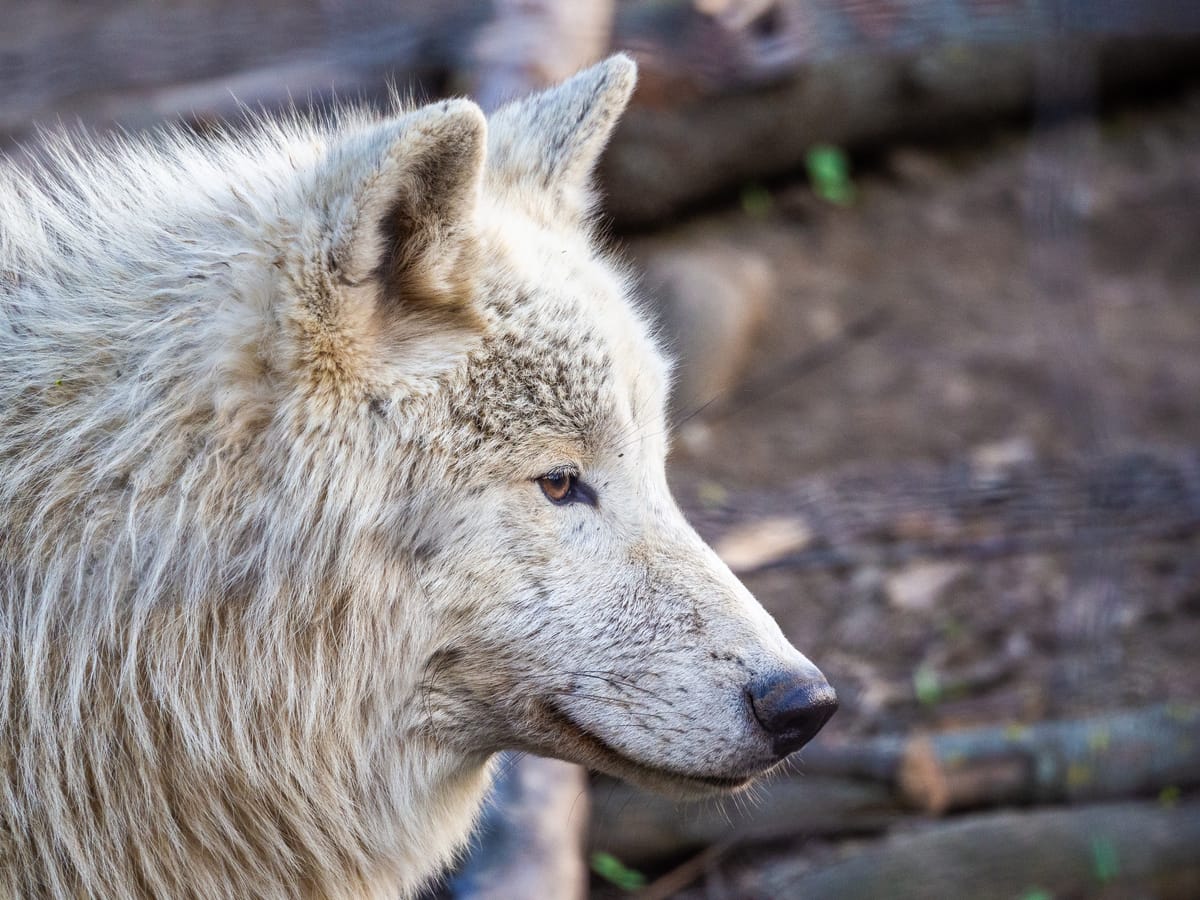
(555, 384)
(568, 359)
(566, 351)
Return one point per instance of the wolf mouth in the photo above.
(595, 752)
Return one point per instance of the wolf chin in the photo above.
(331, 464)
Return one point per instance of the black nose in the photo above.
(791, 708)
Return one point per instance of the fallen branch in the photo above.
(1129, 849)
(530, 840)
(636, 826)
(681, 876)
(1108, 757)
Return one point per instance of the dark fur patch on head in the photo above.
(519, 384)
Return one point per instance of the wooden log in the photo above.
(1108, 757)
(636, 826)
(730, 92)
(530, 840)
(1113, 850)
(727, 99)
(865, 786)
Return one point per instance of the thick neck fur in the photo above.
(267, 404)
(177, 589)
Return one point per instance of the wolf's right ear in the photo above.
(405, 216)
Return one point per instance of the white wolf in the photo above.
(331, 464)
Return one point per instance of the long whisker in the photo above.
(616, 680)
(611, 678)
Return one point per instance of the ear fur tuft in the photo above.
(428, 229)
(386, 284)
(411, 226)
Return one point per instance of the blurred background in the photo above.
(932, 274)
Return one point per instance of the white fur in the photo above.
(277, 577)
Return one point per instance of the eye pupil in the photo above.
(557, 486)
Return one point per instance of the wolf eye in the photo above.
(563, 486)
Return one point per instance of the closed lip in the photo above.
(588, 748)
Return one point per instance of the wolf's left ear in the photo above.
(408, 220)
(383, 264)
(551, 141)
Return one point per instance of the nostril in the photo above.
(791, 708)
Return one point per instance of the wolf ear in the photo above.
(407, 222)
(552, 140)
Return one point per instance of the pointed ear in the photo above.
(551, 141)
(407, 222)
(382, 268)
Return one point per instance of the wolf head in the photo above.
(332, 462)
(517, 397)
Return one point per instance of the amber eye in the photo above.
(562, 486)
(558, 486)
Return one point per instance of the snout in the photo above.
(791, 707)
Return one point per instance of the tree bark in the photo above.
(1105, 758)
(636, 826)
(530, 840)
(1117, 850)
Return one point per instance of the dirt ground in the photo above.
(1041, 336)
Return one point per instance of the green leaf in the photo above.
(616, 872)
(756, 201)
(927, 686)
(712, 494)
(1037, 894)
(1168, 797)
(829, 173)
(1099, 740)
(1105, 863)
